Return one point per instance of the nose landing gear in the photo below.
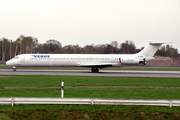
(14, 68)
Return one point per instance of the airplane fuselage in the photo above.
(72, 60)
(95, 61)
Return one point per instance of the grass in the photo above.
(101, 112)
(43, 80)
(4, 117)
(39, 81)
(69, 112)
(121, 93)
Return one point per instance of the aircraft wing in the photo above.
(99, 65)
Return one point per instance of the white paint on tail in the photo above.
(150, 49)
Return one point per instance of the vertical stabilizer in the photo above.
(150, 49)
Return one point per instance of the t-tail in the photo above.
(148, 52)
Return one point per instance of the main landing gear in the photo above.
(14, 68)
(95, 69)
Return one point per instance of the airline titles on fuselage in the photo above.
(41, 56)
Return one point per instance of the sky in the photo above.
(86, 22)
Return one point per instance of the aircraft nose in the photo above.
(8, 63)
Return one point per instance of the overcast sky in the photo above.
(92, 21)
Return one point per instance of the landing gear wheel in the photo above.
(14, 68)
(95, 70)
(92, 70)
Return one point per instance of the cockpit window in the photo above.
(16, 57)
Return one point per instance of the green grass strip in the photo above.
(120, 93)
(92, 112)
(40, 80)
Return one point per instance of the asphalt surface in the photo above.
(166, 74)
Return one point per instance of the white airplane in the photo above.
(94, 61)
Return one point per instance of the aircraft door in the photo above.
(112, 59)
(119, 60)
(22, 59)
(89, 59)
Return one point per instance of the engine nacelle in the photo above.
(129, 60)
(144, 60)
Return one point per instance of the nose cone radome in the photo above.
(8, 63)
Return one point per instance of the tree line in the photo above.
(29, 44)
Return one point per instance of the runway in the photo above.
(118, 73)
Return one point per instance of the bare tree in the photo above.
(168, 51)
(128, 47)
(53, 45)
(5, 46)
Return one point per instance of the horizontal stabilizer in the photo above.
(156, 43)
